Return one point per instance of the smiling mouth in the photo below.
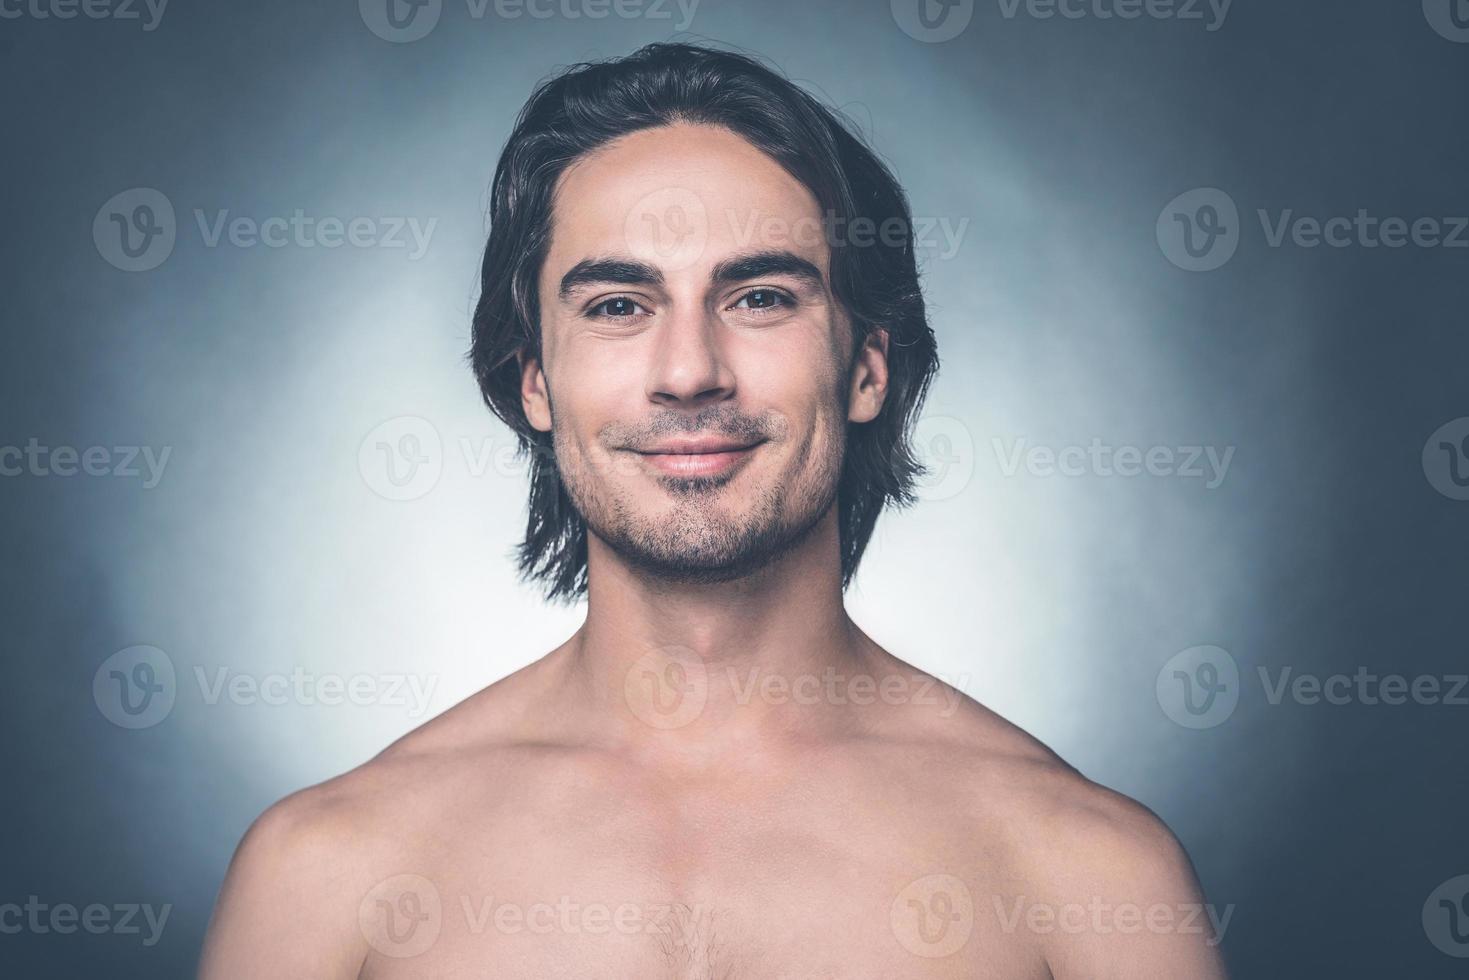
(700, 458)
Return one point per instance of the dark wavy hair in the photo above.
(876, 281)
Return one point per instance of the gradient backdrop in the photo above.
(1089, 188)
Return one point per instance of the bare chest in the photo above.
(609, 891)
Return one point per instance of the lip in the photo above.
(699, 456)
(695, 445)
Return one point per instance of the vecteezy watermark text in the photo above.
(303, 687)
(669, 687)
(147, 12)
(402, 916)
(936, 21)
(1207, 463)
(138, 686)
(1097, 917)
(1211, 13)
(136, 230)
(404, 21)
(1200, 230)
(836, 688)
(942, 236)
(64, 918)
(35, 459)
(1200, 687)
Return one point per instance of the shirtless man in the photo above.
(713, 367)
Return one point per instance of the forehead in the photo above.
(681, 198)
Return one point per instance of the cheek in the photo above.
(590, 396)
(811, 400)
(828, 393)
(591, 386)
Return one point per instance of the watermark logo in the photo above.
(932, 21)
(135, 230)
(401, 916)
(668, 228)
(1446, 917)
(1446, 459)
(933, 916)
(135, 687)
(1199, 687)
(1450, 18)
(667, 688)
(402, 458)
(400, 21)
(945, 447)
(1199, 229)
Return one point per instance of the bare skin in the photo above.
(719, 775)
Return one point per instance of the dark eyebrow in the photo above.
(773, 263)
(598, 271)
(738, 269)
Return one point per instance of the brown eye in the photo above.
(762, 299)
(617, 306)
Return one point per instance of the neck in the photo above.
(700, 669)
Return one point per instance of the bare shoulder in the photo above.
(1010, 777)
(1114, 891)
(282, 910)
(1096, 878)
(290, 901)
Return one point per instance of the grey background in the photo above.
(1056, 600)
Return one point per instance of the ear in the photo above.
(869, 378)
(534, 401)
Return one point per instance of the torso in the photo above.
(522, 834)
(863, 859)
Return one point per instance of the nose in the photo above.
(689, 367)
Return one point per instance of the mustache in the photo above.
(720, 420)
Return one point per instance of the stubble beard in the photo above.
(700, 541)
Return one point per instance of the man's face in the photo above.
(696, 369)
